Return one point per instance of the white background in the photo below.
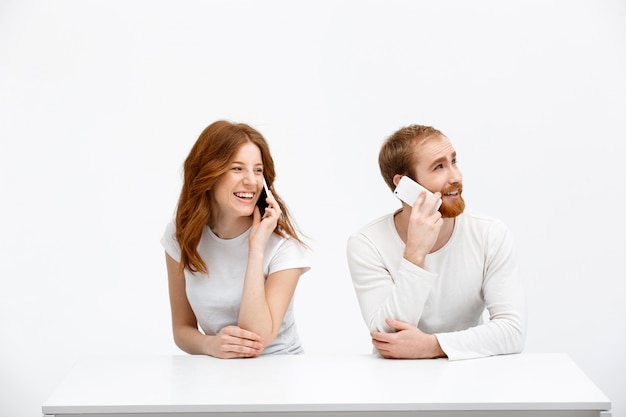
(100, 102)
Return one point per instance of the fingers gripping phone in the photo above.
(408, 190)
(261, 203)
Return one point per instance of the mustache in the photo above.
(456, 187)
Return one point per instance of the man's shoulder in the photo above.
(480, 217)
(373, 237)
(481, 222)
(380, 224)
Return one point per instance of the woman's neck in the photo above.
(230, 228)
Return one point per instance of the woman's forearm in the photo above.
(254, 313)
(192, 341)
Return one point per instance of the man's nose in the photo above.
(456, 176)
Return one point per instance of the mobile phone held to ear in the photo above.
(408, 190)
(261, 203)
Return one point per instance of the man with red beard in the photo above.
(423, 277)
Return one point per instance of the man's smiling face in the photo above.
(436, 169)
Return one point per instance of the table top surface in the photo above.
(322, 382)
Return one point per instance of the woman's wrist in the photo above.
(255, 254)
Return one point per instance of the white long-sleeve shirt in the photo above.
(475, 270)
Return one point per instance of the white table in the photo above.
(329, 385)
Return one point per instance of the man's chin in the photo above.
(452, 210)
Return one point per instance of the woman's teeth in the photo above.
(245, 195)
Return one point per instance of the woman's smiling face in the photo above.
(236, 192)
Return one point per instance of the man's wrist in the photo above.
(415, 260)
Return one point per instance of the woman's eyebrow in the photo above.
(258, 164)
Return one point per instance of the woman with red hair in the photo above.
(232, 272)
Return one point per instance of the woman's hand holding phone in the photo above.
(265, 222)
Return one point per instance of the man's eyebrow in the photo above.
(443, 159)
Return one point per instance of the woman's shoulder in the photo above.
(286, 242)
(285, 252)
(169, 242)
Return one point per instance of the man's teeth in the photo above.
(452, 193)
(245, 195)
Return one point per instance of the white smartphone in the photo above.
(408, 190)
(261, 203)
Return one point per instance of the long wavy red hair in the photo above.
(209, 159)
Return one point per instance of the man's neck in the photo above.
(401, 221)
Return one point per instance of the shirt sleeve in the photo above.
(505, 331)
(169, 242)
(290, 254)
(380, 294)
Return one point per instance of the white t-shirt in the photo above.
(215, 297)
(475, 270)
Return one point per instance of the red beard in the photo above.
(452, 209)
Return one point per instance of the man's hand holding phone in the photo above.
(424, 221)
(408, 191)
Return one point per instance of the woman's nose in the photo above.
(248, 178)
